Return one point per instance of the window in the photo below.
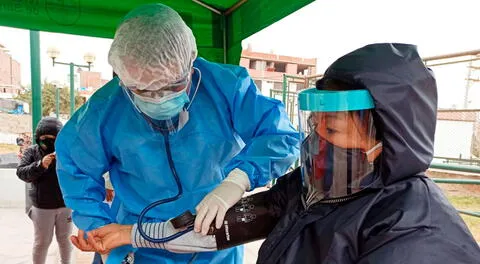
(303, 70)
(280, 67)
(253, 64)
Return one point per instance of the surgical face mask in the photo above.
(168, 107)
(333, 172)
(47, 144)
(150, 109)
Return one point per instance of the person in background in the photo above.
(48, 212)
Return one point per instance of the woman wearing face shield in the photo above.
(172, 127)
(361, 194)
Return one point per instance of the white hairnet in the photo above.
(153, 48)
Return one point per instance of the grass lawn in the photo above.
(469, 203)
(8, 148)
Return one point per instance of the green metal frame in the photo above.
(57, 101)
(456, 181)
(460, 181)
(35, 79)
(72, 81)
(462, 168)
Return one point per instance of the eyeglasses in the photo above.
(155, 92)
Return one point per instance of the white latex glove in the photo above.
(218, 201)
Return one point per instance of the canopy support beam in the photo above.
(224, 15)
(214, 10)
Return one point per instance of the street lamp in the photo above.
(57, 99)
(89, 58)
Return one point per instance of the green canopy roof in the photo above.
(219, 25)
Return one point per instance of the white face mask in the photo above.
(166, 108)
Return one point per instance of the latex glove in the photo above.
(217, 202)
(188, 243)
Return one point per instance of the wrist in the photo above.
(127, 237)
(41, 165)
(239, 178)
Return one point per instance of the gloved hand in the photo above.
(217, 202)
(187, 243)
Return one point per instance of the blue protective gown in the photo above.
(231, 126)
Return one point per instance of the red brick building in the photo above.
(10, 78)
(267, 69)
(90, 82)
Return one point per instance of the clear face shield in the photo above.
(339, 144)
(165, 107)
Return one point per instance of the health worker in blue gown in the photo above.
(170, 125)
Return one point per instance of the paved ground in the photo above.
(16, 242)
(9, 160)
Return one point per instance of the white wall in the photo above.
(266, 87)
(12, 189)
(8, 138)
(453, 138)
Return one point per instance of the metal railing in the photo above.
(463, 182)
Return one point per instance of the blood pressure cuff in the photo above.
(252, 218)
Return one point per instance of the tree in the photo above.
(48, 99)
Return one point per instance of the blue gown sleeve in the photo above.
(271, 141)
(81, 162)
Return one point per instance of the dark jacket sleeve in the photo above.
(421, 245)
(29, 169)
(288, 187)
(416, 223)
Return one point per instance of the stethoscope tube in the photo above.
(166, 200)
(165, 134)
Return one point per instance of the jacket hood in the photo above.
(47, 126)
(405, 94)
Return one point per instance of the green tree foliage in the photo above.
(48, 99)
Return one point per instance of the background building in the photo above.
(9, 75)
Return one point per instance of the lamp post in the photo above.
(57, 99)
(89, 58)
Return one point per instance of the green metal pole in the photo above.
(284, 99)
(224, 26)
(35, 79)
(463, 168)
(57, 102)
(456, 181)
(72, 91)
(476, 214)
